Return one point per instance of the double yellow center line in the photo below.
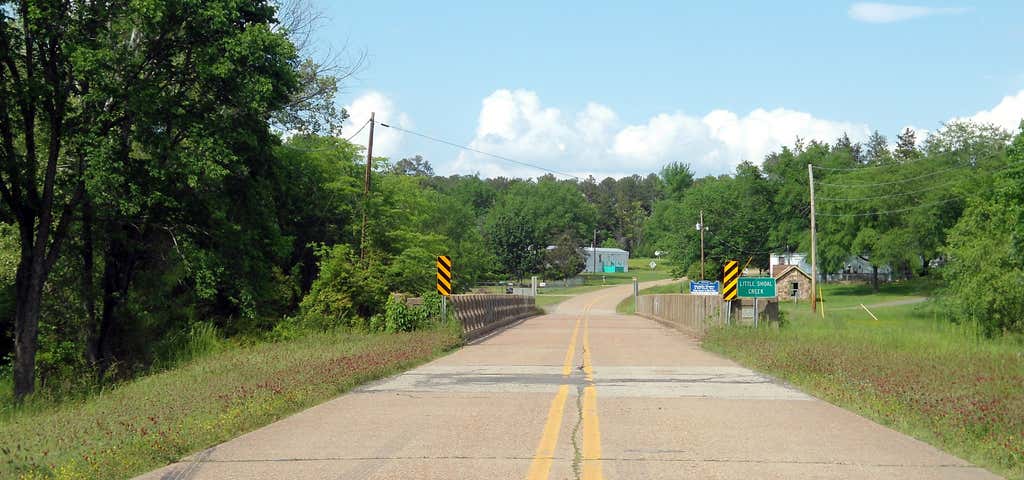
(540, 468)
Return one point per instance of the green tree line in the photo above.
(148, 187)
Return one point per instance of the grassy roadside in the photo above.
(628, 307)
(551, 296)
(910, 370)
(150, 422)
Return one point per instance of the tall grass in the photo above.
(219, 393)
(911, 369)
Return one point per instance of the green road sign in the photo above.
(756, 287)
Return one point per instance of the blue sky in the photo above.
(616, 88)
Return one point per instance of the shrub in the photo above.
(401, 317)
(344, 293)
(986, 269)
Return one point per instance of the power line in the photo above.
(895, 182)
(886, 212)
(740, 250)
(349, 139)
(937, 186)
(867, 167)
(876, 197)
(324, 149)
(471, 149)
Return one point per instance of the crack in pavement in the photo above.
(577, 456)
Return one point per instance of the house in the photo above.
(785, 259)
(854, 268)
(792, 283)
(605, 260)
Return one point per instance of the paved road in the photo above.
(579, 393)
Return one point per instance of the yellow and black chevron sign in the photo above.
(444, 275)
(732, 275)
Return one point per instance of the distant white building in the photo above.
(854, 268)
(798, 259)
(606, 260)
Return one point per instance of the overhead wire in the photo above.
(741, 250)
(349, 139)
(324, 149)
(866, 167)
(895, 182)
(885, 212)
(481, 152)
(891, 195)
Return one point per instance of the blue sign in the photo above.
(704, 287)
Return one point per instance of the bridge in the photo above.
(581, 393)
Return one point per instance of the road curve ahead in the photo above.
(582, 393)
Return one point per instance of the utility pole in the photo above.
(593, 251)
(700, 226)
(814, 244)
(366, 189)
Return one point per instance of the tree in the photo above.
(513, 239)
(877, 150)
(986, 269)
(906, 146)
(415, 166)
(566, 259)
(676, 177)
(114, 91)
(311, 107)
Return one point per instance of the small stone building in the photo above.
(792, 283)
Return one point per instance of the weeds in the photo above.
(222, 392)
(911, 370)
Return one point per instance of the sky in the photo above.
(617, 88)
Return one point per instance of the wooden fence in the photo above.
(690, 313)
(482, 314)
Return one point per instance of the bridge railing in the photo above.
(481, 314)
(691, 313)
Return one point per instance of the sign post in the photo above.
(730, 272)
(756, 287)
(444, 283)
(636, 292)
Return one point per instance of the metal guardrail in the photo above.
(482, 314)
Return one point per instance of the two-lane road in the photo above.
(580, 393)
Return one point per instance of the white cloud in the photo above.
(386, 141)
(1007, 114)
(515, 124)
(889, 12)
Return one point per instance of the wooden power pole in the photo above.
(814, 244)
(701, 225)
(366, 189)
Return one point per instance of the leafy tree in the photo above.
(676, 177)
(513, 239)
(986, 269)
(566, 259)
(415, 166)
(877, 150)
(131, 102)
(906, 146)
(344, 294)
